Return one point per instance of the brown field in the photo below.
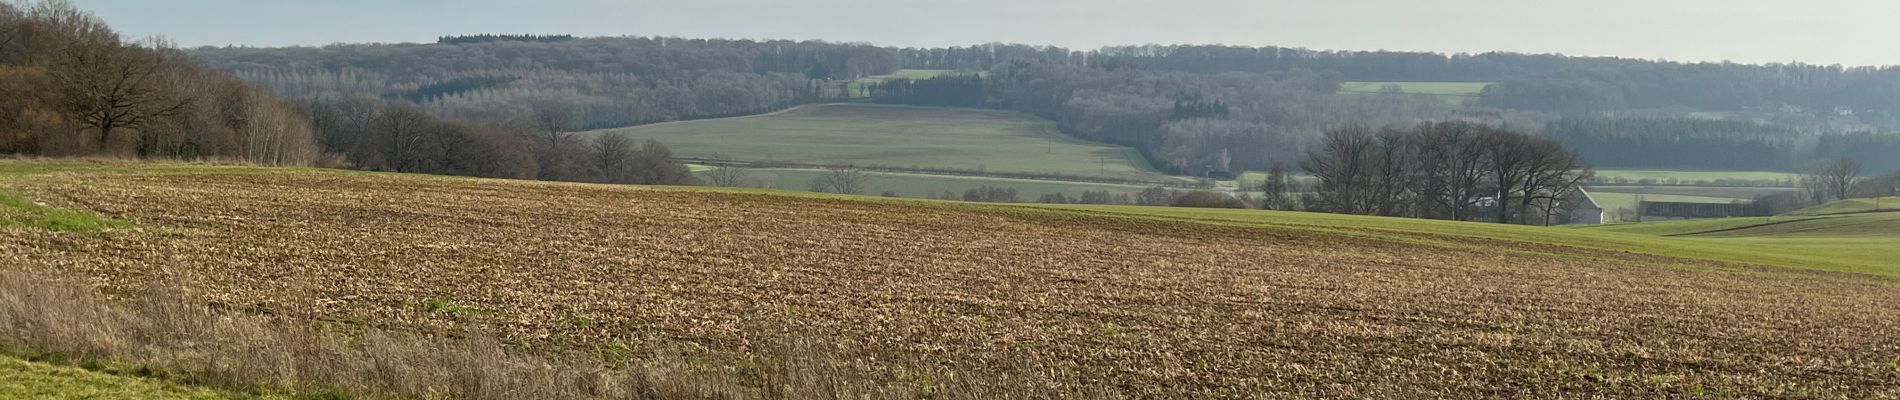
(928, 296)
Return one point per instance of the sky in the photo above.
(1848, 32)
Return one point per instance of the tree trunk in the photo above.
(1504, 207)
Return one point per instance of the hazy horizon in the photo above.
(1746, 31)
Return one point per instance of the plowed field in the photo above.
(912, 291)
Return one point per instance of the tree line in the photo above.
(377, 134)
(1444, 170)
(73, 87)
(1543, 82)
(1192, 124)
(609, 82)
(1189, 109)
(1711, 144)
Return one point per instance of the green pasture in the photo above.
(1854, 250)
(901, 137)
(858, 86)
(1691, 178)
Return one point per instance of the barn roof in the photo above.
(1588, 199)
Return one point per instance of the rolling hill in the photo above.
(917, 185)
(902, 137)
(930, 299)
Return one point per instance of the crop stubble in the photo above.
(1149, 308)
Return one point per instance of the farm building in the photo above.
(1583, 208)
(1577, 207)
(1671, 210)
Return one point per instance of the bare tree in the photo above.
(10, 28)
(845, 180)
(727, 176)
(1344, 167)
(1551, 174)
(1451, 166)
(1510, 156)
(654, 165)
(613, 156)
(108, 87)
(550, 125)
(1393, 167)
(402, 129)
(1278, 189)
(1831, 180)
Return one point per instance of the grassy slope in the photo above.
(1853, 206)
(1743, 193)
(902, 137)
(858, 87)
(1692, 176)
(21, 379)
(1831, 236)
(1859, 254)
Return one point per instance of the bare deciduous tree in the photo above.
(1552, 174)
(1343, 167)
(613, 156)
(845, 180)
(401, 129)
(550, 125)
(1832, 179)
(1443, 170)
(1451, 168)
(727, 176)
(109, 87)
(1277, 190)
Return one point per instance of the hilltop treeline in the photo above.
(609, 82)
(1192, 123)
(1189, 109)
(486, 38)
(1706, 144)
(71, 86)
(1545, 82)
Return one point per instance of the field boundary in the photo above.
(1180, 184)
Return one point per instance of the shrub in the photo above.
(1209, 199)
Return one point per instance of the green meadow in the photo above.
(902, 137)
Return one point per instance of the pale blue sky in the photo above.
(1852, 32)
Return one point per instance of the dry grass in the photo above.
(165, 336)
(934, 298)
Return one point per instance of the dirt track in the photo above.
(1151, 309)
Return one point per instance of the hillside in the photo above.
(939, 297)
(900, 137)
(916, 185)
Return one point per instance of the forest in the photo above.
(71, 86)
(609, 82)
(1191, 110)
(75, 87)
